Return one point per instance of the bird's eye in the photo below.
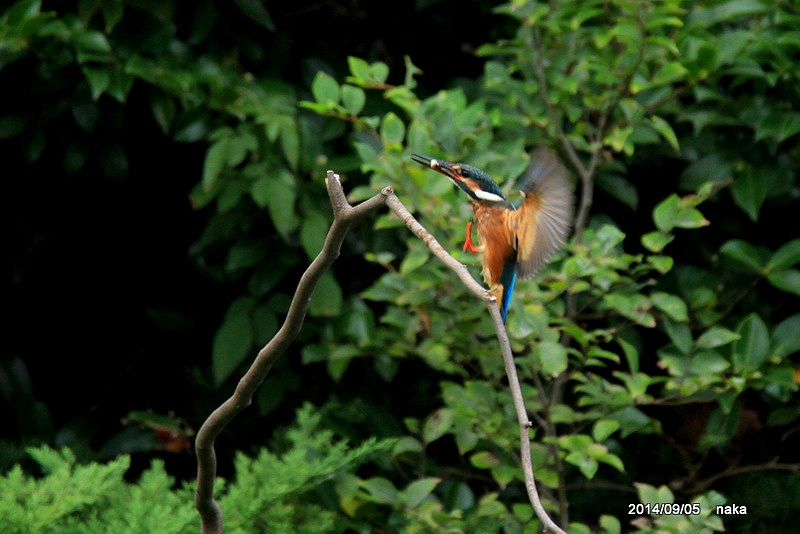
(465, 173)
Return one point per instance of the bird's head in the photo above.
(471, 180)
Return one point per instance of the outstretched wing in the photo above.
(541, 223)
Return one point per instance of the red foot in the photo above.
(468, 244)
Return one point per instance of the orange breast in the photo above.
(495, 239)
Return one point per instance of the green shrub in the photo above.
(271, 493)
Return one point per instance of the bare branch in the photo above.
(505, 346)
(438, 250)
(344, 216)
(702, 485)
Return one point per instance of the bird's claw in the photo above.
(468, 244)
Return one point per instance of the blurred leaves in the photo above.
(233, 340)
(683, 116)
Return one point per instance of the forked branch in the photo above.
(344, 216)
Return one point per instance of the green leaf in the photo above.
(325, 90)
(418, 491)
(417, 256)
(785, 340)
(437, 425)
(407, 444)
(779, 125)
(635, 307)
(587, 465)
(243, 255)
(191, 127)
(290, 144)
(665, 130)
(690, 218)
(359, 322)
(98, 79)
(603, 429)
(163, 109)
(353, 99)
(552, 357)
(21, 12)
(91, 41)
(716, 336)
(631, 354)
(112, 14)
(749, 191)
(379, 72)
(620, 188)
(745, 253)
(619, 139)
(680, 334)
(668, 73)
(665, 212)
(339, 360)
(632, 419)
(725, 11)
(255, 11)
(787, 280)
(313, 232)
(380, 490)
(672, 305)
(610, 524)
(600, 452)
(786, 256)
(392, 129)
(722, 423)
(265, 322)
(484, 460)
(752, 348)
(635, 383)
(647, 493)
(708, 364)
(662, 264)
(215, 160)
(664, 495)
(584, 453)
(785, 415)
(359, 68)
(276, 192)
(233, 339)
(327, 298)
(242, 143)
(714, 167)
(656, 241)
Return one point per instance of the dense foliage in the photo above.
(96, 498)
(659, 351)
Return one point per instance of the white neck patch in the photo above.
(485, 195)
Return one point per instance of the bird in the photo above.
(516, 238)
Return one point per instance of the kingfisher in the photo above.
(516, 238)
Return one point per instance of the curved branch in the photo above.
(344, 216)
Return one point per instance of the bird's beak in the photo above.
(448, 169)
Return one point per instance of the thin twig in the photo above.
(550, 430)
(544, 93)
(773, 464)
